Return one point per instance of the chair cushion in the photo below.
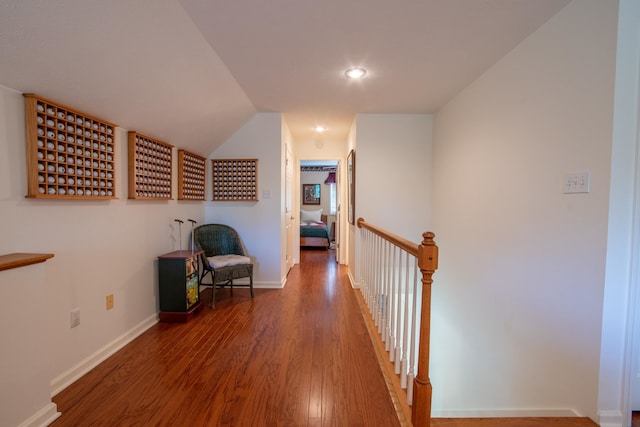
(220, 261)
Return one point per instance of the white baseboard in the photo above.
(68, 377)
(43, 417)
(612, 418)
(354, 284)
(503, 413)
(269, 285)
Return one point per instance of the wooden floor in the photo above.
(300, 356)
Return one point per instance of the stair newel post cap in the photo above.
(428, 252)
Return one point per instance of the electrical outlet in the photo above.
(75, 317)
(109, 301)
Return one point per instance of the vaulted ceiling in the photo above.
(191, 72)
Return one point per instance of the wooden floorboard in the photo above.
(300, 356)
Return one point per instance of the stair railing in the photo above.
(400, 307)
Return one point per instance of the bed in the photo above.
(313, 229)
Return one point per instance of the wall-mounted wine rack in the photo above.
(150, 168)
(191, 176)
(70, 154)
(235, 180)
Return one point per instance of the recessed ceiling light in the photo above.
(355, 73)
(320, 129)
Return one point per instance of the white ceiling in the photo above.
(191, 72)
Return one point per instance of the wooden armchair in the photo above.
(224, 257)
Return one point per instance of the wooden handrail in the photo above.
(19, 259)
(427, 259)
(405, 244)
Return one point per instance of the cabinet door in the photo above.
(178, 283)
(172, 285)
(193, 289)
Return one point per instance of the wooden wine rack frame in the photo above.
(150, 168)
(235, 180)
(70, 154)
(191, 176)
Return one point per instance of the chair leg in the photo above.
(251, 285)
(213, 296)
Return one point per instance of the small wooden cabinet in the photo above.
(179, 285)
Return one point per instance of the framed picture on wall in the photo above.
(351, 186)
(310, 194)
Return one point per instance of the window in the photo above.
(332, 199)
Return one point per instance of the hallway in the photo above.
(300, 356)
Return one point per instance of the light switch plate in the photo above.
(578, 182)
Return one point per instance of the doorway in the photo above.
(319, 196)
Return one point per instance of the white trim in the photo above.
(632, 343)
(610, 418)
(43, 417)
(269, 285)
(623, 238)
(68, 377)
(258, 285)
(504, 413)
(354, 284)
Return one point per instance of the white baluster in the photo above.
(367, 256)
(414, 338)
(391, 305)
(405, 331)
(400, 309)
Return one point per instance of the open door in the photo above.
(288, 214)
(338, 213)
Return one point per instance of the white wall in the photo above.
(257, 222)
(100, 247)
(517, 300)
(24, 368)
(393, 173)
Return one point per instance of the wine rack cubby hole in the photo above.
(70, 154)
(191, 176)
(235, 180)
(150, 168)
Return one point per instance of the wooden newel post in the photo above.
(428, 264)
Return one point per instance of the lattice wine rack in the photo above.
(235, 180)
(70, 154)
(191, 176)
(150, 163)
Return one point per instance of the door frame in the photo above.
(339, 193)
